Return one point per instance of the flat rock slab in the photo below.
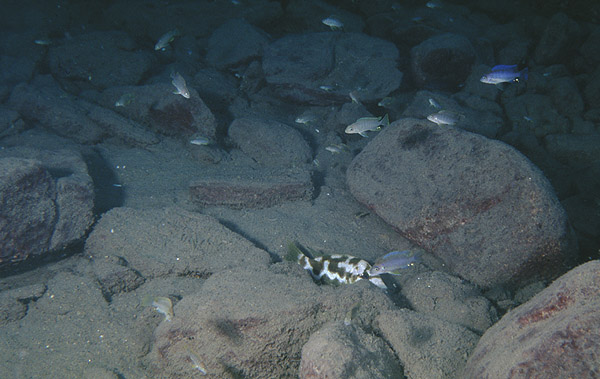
(297, 66)
(556, 334)
(250, 188)
(173, 241)
(247, 321)
(476, 203)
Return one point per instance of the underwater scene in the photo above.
(300, 189)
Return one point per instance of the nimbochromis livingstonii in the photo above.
(393, 262)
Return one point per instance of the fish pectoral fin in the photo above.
(363, 134)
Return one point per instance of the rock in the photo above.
(588, 48)
(100, 59)
(448, 191)
(14, 302)
(448, 298)
(442, 62)
(481, 122)
(156, 243)
(10, 122)
(554, 335)
(297, 65)
(47, 202)
(426, 346)
(254, 316)
(155, 106)
(270, 143)
(572, 148)
(535, 113)
(591, 92)
(250, 188)
(215, 88)
(51, 106)
(561, 36)
(15, 70)
(234, 43)
(114, 276)
(566, 97)
(45, 102)
(346, 351)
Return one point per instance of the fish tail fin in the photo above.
(294, 253)
(525, 73)
(385, 120)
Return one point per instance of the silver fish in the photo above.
(504, 74)
(434, 103)
(179, 83)
(166, 39)
(306, 118)
(334, 269)
(333, 23)
(445, 117)
(393, 262)
(125, 100)
(365, 124)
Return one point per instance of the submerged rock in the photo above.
(477, 204)
(346, 351)
(556, 334)
(47, 201)
(318, 68)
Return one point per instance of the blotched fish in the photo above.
(504, 74)
(367, 124)
(180, 85)
(445, 117)
(334, 269)
(333, 23)
(166, 39)
(394, 262)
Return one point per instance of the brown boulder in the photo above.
(554, 335)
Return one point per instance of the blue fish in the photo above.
(504, 74)
(393, 262)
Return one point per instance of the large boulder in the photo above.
(46, 202)
(318, 68)
(246, 321)
(234, 43)
(101, 59)
(476, 203)
(442, 61)
(556, 334)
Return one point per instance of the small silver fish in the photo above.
(43, 42)
(333, 23)
(434, 103)
(434, 4)
(385, 102)
(125, 100)
(195, 360)
(364, 124)
(445, 117)
(166, 39)
(504, 74)
(393, 262)
(306, 118)
(354, 97)
(336, 149)
(327, 88)
(162, 305)
(334, 269)
(200, 141)
(179, 83)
